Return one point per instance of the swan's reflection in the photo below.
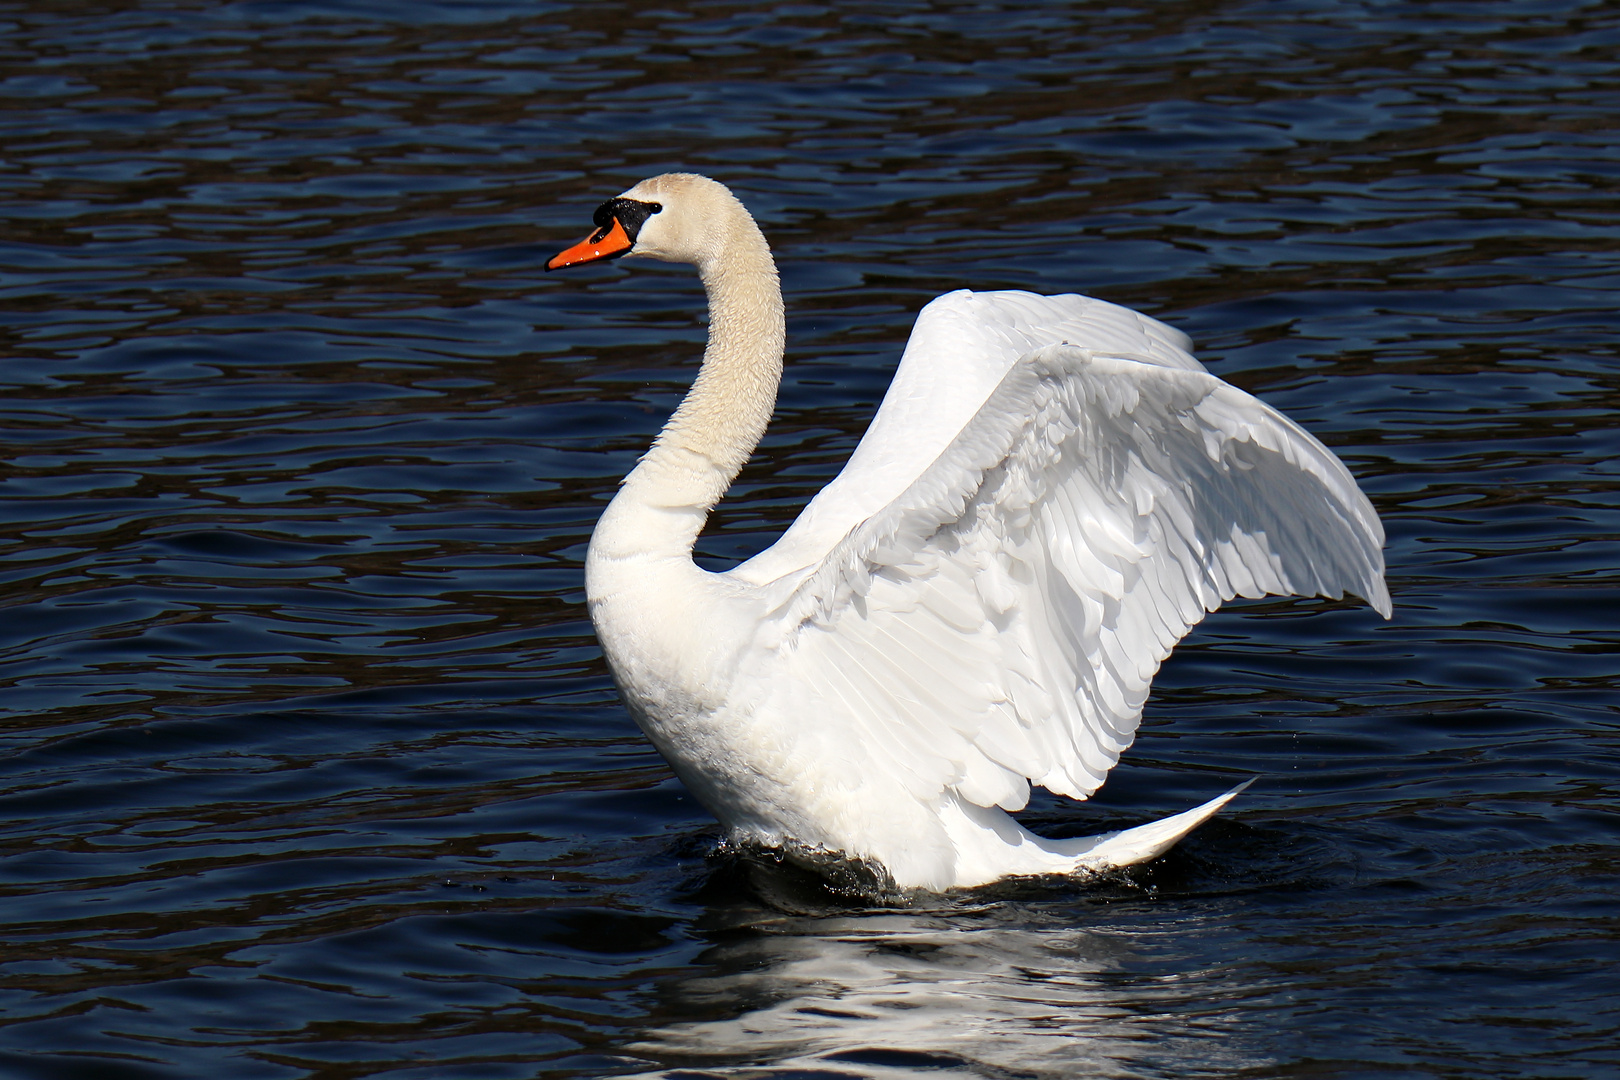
(1008, 988)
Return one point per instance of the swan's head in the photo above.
(677, 217)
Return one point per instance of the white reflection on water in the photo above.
(958, 994)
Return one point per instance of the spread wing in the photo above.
(1000, 619)
(962, 346)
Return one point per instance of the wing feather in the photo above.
(961, 347)
(1000, 620)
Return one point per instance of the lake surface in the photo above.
(312, 766)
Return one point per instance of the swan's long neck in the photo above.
(720, 421)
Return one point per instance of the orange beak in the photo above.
(605, 243)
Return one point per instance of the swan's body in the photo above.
(1051, 495)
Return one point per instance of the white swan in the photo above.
(1051, 495)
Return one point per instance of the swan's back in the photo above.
(962, 346)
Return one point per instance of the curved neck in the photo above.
(720, 421)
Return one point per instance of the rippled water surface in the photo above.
(312, 767)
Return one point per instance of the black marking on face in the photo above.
(630, 213)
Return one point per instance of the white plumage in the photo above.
(1051, 495)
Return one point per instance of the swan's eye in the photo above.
(630, 213)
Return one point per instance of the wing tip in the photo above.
(1378, 598)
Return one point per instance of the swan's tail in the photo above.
(1129, 846)
(987, 845)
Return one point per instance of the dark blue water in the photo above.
(312, 767)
